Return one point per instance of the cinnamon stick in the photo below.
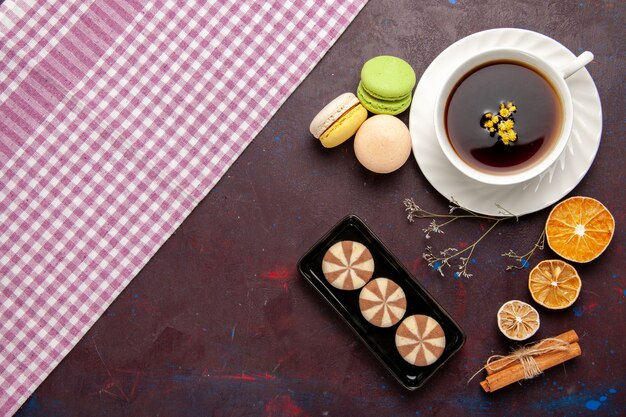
(515, 372)
(496, 366)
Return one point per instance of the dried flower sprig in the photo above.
(523, 259)
(456, 212)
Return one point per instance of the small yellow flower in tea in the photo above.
(506, 125)
(505, 137)
(503, 121)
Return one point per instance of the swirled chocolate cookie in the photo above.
(382, 302)
(348, 265)
(420, 340)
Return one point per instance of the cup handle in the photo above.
(579, 62)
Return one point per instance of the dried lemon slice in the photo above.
(518, 320)
(554, 284)
(579, 229)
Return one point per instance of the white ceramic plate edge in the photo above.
(532, 195)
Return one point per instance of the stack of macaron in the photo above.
(386, 85)
(338, 120)
(382, 143)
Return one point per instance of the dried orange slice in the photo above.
(579, 229)
(554, 284)
(518, 320)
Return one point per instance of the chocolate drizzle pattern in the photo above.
(348, 265)
(382, 302)
(420, 340)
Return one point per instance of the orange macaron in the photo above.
(382, 143)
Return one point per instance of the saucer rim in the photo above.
(550, 188)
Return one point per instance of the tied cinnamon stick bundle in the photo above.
(530, 361)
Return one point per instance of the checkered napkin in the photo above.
(116, 118)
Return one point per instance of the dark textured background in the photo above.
(219, 323)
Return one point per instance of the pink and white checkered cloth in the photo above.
(116, 118)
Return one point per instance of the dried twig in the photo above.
(456, 212)
(523, 259)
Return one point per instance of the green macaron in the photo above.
(386, 85)
(379, 106)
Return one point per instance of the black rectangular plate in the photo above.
(381, 341)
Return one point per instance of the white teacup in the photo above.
(555, 76)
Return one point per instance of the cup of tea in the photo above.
(504, 116)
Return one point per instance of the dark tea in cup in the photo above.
(507, 95)
(484, 90)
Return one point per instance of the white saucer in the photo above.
(534, 194)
